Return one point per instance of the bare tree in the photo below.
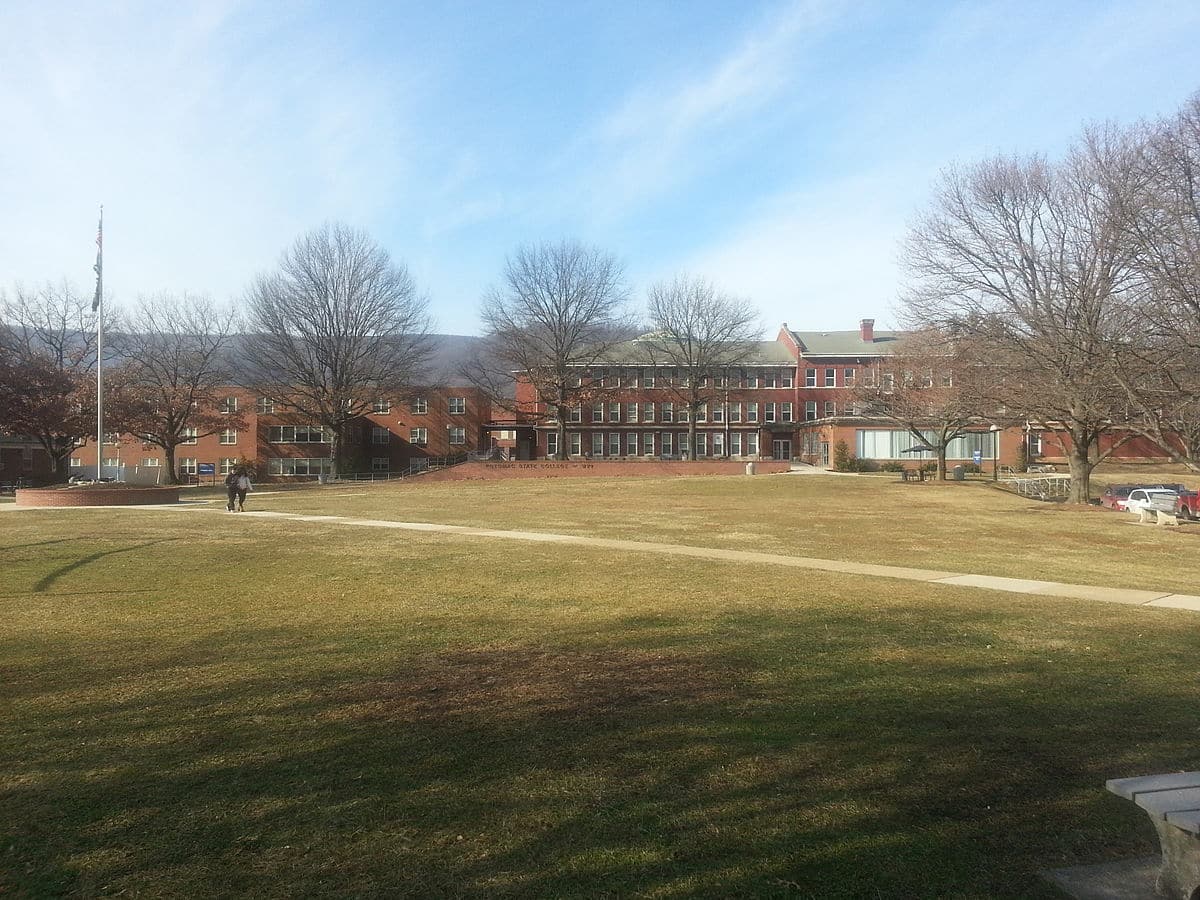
(559, 312)
(934, 386)
(338, 325)
(175, 352)
(1156, 354)
(48, 344)
(1028, 256)
(702, 333)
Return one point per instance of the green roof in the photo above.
(846, 343)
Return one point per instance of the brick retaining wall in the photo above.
(61, 497)
(546, 468)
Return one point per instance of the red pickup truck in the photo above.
(1187, 506)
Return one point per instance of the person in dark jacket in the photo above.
(231, 489)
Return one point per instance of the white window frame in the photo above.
(456, 406)
(190, 437)
(418, 437)
(419, 406)
(614, 443)
(457, 435)
(380, 435)
(381, 407)
(228, 436)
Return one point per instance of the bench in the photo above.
(912, 474)
(1173, 804)
(1166, 518)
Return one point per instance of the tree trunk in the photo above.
(335, 448)
(561, 453)
(172, 475)
(692, 432)
(1081, 471)
(941, 462)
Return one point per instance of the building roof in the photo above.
(764, 353)
(845, 343)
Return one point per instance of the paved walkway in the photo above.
(933, 576)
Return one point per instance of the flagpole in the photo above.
(98, 306)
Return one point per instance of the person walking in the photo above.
(231, 488)
(243, 486)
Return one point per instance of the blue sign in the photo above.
(206, 469)
(978, 454)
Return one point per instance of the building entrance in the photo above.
(781, 449)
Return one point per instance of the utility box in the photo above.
(750, 468)
(960, 474)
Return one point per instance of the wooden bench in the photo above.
(1173, 804)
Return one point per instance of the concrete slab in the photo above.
(1126, 879)
(1178, 601)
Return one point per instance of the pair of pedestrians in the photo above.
(238, 485)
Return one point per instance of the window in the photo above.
(264, 406)
(228, 405)
(889, 382)
(751, 412)
(667, 412)
(751, 379)
(380, 464)
(684, 414)
(830, 408)
(735, 412)
(299, 466)
(575, 414)
(597, 443)
(381, 407)
(458, 436)
(648, 378)
(769, 378)
(701, 444)
(458, 406)
(614, 443)
(188, 435)
(552, 443)
(648, 444)
(114, 437)
(76, 462)
(380, 435)
(702, 413)
(631, 412)
(229, 436)
(576, 443)
(768, 412)
(647, 412)
(810, 377)
(631, 444)
(848, 377)
(890, 444)
(418, 436)
(597, 412)
(419, 406)
(114, 462)
(785, 412)
(786, 378)
(614, 412)
(810, 410)
(1035, 444)
(830, 377)
(151, 462)
(947, 379)
(297, 434)
(187, 465)
(228, 464)
(718, 413)
(666, 444)
(720, 382)
(752, 443)
(735, 443)
(718, 441)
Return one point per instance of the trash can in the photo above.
(750, 468)
(960, 474)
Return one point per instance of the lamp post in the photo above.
(995, 433)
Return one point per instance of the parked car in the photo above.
(1187, 505)
(1115, 495)
(1151, 498)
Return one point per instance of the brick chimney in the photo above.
(866, 330)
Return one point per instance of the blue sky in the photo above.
(777, 148)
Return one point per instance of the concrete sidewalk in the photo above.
(1127, 596)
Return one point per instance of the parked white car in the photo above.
(1150, 498)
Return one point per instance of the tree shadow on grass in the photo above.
(802, 766)
(47, 581)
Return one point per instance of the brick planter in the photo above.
(60, 497)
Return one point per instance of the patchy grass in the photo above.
(201, 704)
(961, 527)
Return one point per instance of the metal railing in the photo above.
(415, 467)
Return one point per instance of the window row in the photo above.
(882, 444)
(829, 377)
(294, 466)
(650, 443)
(455, 406)
(651, 377)
(419, 437)
(672, 412)
(298, 434)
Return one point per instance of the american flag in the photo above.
(98, 268)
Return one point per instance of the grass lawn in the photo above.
(959, 527)
(202, 704)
